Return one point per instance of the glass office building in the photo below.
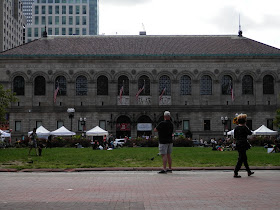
(27, 10)
(63, 17)
(12, 23)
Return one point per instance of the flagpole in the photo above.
(162, 93)
(140, 91)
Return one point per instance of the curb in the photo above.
(137, 169)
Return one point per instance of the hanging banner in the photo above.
(123, 126)
(144, 126)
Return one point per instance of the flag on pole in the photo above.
(55, 93)
(139, 91)
(121, 92)
(162, 93)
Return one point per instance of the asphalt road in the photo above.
(139, 190)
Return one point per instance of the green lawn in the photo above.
(129, 157)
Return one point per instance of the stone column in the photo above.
(154, 93)
(175, 92)
(113, 92)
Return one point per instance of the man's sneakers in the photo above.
(165, 171)
(162, 172)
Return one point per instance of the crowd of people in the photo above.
(107, 143)
(222, 144)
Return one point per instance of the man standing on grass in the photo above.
(165, 131)
(33, 141)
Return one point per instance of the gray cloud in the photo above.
(225, 20)
(124, 2)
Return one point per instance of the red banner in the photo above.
(5, 126)
(123, 126)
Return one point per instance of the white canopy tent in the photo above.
(97, 131)
(264, 131)
(62, 131)
(4, 134)
(230, 133)
(41, 132)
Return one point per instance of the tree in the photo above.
(276, 120)
(6, 97)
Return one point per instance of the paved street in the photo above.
(139, 190)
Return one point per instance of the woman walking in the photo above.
(242, 145)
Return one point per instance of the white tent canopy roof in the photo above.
(97, 131)
(230, 133)
(62, 131)
(41, 131)
(4, 134)
(263, 130)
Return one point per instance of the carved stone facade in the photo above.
(198, 92)
(193, 109)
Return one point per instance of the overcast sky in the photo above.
(260, 19)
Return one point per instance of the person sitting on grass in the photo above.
(276, 147)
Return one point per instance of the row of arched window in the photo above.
(144, 84)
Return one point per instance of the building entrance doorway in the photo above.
(144, 126)
(123, 127)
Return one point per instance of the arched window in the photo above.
(102, 85)
(206, 85)
(40, 86)
(61, 83)
(226, 85)
(268, 84)
(123, 81)
(81, 86)
(164, 85)
(18, 85)
(144, 119)
(185, 85)
(247, 85)
(144, 81)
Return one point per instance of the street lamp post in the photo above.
(225, 123)
(177, 122)
(71, 112)
(83, 123)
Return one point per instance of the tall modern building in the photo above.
(27, 10)
(63, 17)
(12, 23)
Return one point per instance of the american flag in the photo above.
(121, 92)
(55, 93)
(162, 93)
(139, 91)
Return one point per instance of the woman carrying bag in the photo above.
(242, 145)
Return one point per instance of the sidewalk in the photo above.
(196, 189)
(137, 169)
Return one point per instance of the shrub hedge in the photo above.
(139, 142)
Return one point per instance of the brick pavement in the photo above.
(139, 190)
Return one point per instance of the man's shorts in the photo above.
(165, 148)
(33, 144)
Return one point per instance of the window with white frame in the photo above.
(102, 124)
(59, 124)
(17, 125)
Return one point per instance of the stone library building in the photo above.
(124, 83)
